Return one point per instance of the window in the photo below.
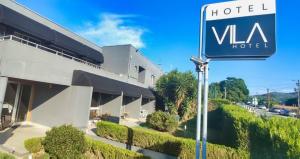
(152, 79)
(2, 33)
(141, 74)
(2, 30)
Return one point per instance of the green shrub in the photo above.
(162, 121)
(94, 150)
(106, 151)
(6, 156)
(273, 138)
(215, 103)
(64, 142)
(162, 142)
(34, 145)
(106, 128)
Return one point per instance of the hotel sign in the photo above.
(243, 29)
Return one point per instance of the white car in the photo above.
(292, 114)
(262, 107)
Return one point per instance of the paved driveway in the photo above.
(12, 139)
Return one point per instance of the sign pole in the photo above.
(199, 63)
(253, 22)
(205, 109)
(199, 102)
(199, 69)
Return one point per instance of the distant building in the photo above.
(51, 76)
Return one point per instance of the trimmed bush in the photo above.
(94, 150)
(106, 151)
(216, 103)
(162, 121)
(34, 145)
(273, 138)
(163, 142)
(6, 156)
(64, 142)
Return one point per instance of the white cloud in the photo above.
(112, 29)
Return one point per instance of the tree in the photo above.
(215, 91)
(236, 89)
(178, 90)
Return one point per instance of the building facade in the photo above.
(51, 76)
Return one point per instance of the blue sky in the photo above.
(166, 31)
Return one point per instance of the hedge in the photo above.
(6, 156)
(106, 151)
(163, 142)
(262, 138)
(95, 149)
(34, 145)
(215, 103)
(65, 141)
(162, 121)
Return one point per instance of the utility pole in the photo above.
(225, 89)
(298, 92)
(269, 97)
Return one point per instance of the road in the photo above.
(261, 112)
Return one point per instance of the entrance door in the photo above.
(23, 103)
(9, 104)
(15, 105)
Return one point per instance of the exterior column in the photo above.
(16, 103)
(99, 105)
(141, 106)
(149, 106)
(121, 107)
(134, 108)
(111, 106)
(31, 99)
(3, 85)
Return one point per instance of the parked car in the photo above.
(275, 110)
(292, 114)
(262, 107)
(285, 112)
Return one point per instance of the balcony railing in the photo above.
(38, 46)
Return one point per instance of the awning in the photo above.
(109, 86)
(25, 24)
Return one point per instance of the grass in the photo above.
(6, 156)
(190, 132)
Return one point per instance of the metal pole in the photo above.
(205, 108)
(199, 100)
(200, 74)
(298, 84)
(269, 103)
(225, 93)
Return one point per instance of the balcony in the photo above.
(38, 46)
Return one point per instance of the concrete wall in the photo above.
(21, 61)
(149, 106)
(111, 105)
(133, 107)
(136, 60)
(55, 105)
(32, 15)
(125, 60)
(116, 59)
